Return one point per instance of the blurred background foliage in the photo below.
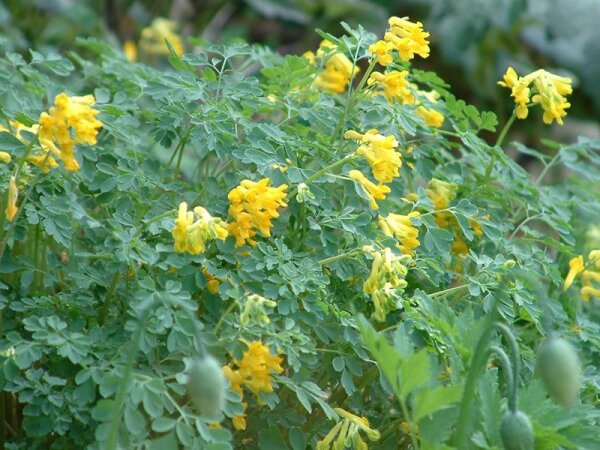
(473, 40)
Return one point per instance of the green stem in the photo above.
(350, 99)
(222, 318)
(115, 422)
(183, 143)
(477, 364)
(108, 299)
(153, 220)
(449, 291)
(508, 376)
(323, 171)
(515, 359)
(501, 136)
(326, 261)
(408, 419)
(480, 356)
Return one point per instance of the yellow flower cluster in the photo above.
(253, 205)
(337, 72)
(394, 84)
(372, 191)
(441, 193)
(396, 88)
(401, 227)
(588, 275)
(71, 121)
(541, 87)
(380, 153)
(153, 38)
(347, 432)
(254, 371)
(386, 279)
(405, 37)
(193, 229)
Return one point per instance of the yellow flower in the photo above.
(407, 38)
(153, 38)
(432, 117)
(130, 50)
(257, 366)
(239, 422)
(395, 85)
(347, 432)
(401, 227)
(379, 151)
(441, 193)
(373, 191)
(11, 203)
(576, 266)
(337, 73)
(385, 281)
(194, 228)
(310, 55)
(212, 282)
(382, 50)
(539, 87)
(42, 160)
(71, 121)
(5, 157)
(254, 371)
(253, 205)
(551, 90)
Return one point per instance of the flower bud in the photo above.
(206, 385)
(509, 264)
(516, 432)
(557, 365)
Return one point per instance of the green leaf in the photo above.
(388, 360)
(104, 410)
(9, 143)
(414, 372)
(163, 424)
(428, 401)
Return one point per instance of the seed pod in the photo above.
(557, 365)
(206, 385)
(516, 432)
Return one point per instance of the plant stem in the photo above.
(477, 363)
(153, 220)
(350, 99)
(501, 136)
(508, 376)
(516, 362)
(108, 299)
(332, 259)
(182, 145)
(122, 389)
(222, 318)
(408, 419)
(323, 171)
(448, 291)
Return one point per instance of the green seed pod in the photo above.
(516, 432)
(206, 385)
(557, 365)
